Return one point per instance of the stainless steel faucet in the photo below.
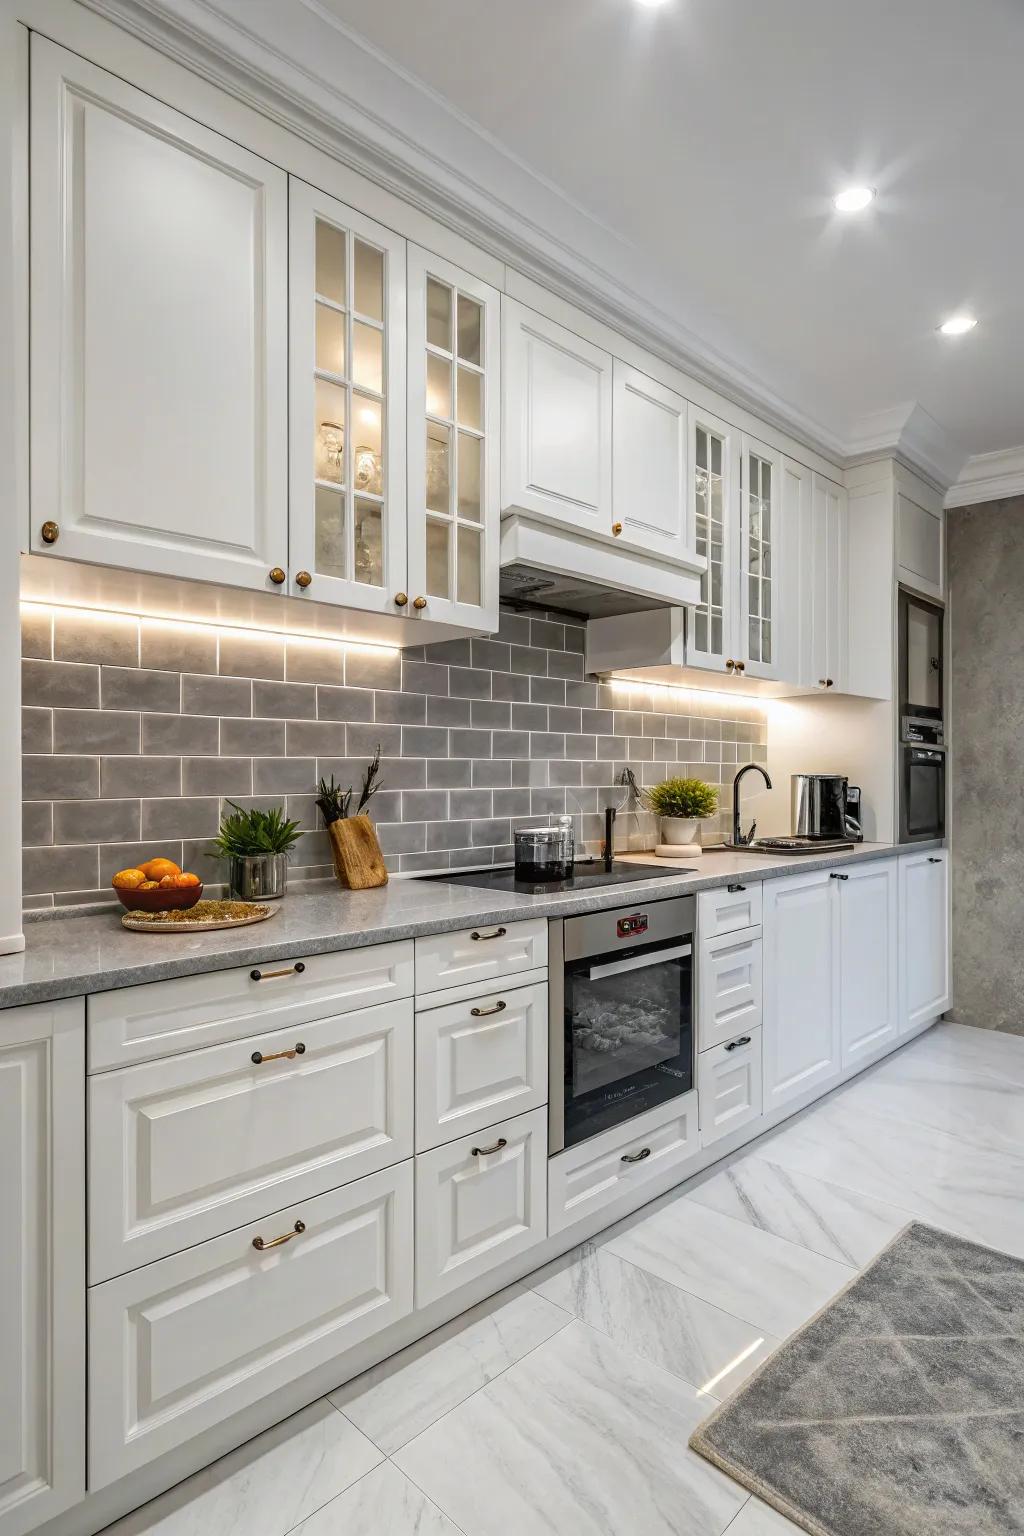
(739, 841)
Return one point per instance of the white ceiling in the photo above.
(704, 140)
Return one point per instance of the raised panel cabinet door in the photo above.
(42, 1263)
(649, 465)
(729, 1086)
(184, 1149)
(712, 627)
(556, 423)
(868, 960)
(826, 660)
(800, 1039)
(924, 937)
(763, 593)
(728, 987)
(346, 407)
(178, 1346)
(479, 1201)
(454, 434)
(797, 658)
(159, 334)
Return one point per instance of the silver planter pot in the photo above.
(258, 877)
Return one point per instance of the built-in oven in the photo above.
(621, 1002)
(922, 789)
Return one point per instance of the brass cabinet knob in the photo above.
(616, 529)
(741, 666)
(401, 598)
(822, 682)
(277, 576)
(49, 532)
(303, 579)
(829, 683)
(730, 664)
(419, 603)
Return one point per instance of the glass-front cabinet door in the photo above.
(453, 436)
(714, 464)
(760, 560)
(347, 507)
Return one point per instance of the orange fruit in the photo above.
(155, 869)
(148, 885)
(128, 879)
(168, 882)
(188, 879)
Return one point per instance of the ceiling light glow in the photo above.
(650, 5)
(958, 325)
(853, 199)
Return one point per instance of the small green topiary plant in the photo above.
(683, 798)
(250, 833)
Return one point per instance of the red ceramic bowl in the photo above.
(159, 901)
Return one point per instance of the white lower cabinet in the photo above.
(192, 1146)
(479, 1059)
(484, 956)
(479, 1201)
(586, 1178)
(179, 1345)
(800, 1044)
(868, 960)
(42, 1263)
(728, 987)
(729, 1086)
(924, 937)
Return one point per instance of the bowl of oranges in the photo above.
(156, 886)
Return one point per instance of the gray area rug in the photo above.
(899, 1409)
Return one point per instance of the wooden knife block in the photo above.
(358, 861)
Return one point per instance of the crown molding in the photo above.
(908, 433)
(989, 477)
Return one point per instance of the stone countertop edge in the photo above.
(76, 956)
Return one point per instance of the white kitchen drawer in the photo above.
(729, 908)
(186, 1148)
(480, 1061)
(729, 1086)
(487, 954)
(585, 1178)
(477, 1207)
(728, 987)
(178, 1346)
(160, 1018)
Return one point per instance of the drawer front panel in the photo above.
(184, 1149)
(729, 908)
(182, 1344)
(162, 1018)
(480, 1061)
(728, 988)
(729, 1086)
(588, 1177)
(485, 955)
(476, 1209)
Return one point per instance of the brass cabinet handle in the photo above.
(257, 1058)
(401, 598)
(730, 665)
(495, 933)
(499, 1145)
(483, 1013)
(636, 1157)
(277, 576)
(302, 578)
(49, 532)
(289, 970)
(419, 603)
(275, 1242)
(735, 1044)
(616, 529)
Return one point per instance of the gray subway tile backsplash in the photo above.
(135, 745)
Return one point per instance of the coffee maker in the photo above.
(826, 807)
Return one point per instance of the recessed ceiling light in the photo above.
(853, 199)
(958, 325)
(650, 5)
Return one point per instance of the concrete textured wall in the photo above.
(986, 579)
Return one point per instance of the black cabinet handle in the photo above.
(496, 933)
(835, 876)
(932, 860)
(636, 1157)
(483, 1013)
(499, 1146)
(732, 889)
(735, 1044)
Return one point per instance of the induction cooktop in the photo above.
(587, 875)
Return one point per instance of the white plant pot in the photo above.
(680, 831)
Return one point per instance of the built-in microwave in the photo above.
(922, 743)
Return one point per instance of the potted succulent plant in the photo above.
(681, 805)
(256, 845)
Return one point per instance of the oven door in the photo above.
(628, 1034)
(922, 794)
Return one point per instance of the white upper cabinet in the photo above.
(649, 465)
(556, 423)
(919, 546)
(762, 562)
(159, 334)
(824, 661)
(347, 537)
(454, 443)
(714, 471)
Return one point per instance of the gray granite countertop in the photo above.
(73, 956)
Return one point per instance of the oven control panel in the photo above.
(628, 927)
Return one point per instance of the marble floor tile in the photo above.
(975, 1105)
(403, 1396)
(984, 1050)
(655, 1320)
(757, 1519)
(838, 1223)
(383, 1503)
(580, 1438)
(267, 1486)
(755, 1275)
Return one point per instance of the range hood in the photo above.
(553, 567)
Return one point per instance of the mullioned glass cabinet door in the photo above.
(714, 475)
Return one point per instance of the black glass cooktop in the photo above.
(587, 875)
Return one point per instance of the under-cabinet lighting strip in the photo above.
(204, 627)
(708, 695)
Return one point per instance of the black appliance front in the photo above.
(922, 793)
(920, 657)
(624, 1019)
